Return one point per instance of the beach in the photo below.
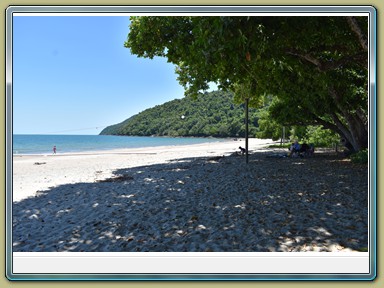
(192, 198)
(34, 173)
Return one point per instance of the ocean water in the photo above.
(43, 144)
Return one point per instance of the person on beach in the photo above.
(307, 150)
(301, 150)
(295, 148)
(54, 149)
(311, 149)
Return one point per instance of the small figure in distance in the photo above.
(242, 150)
(304, 148)
(311, 149)
(54, 149)
(295, 148)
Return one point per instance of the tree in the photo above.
(316, 67)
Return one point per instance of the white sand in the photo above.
(33, 173)
(188, 199)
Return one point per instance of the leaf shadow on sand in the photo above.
(204, 205)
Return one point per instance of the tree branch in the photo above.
(327, 125)
(361, 58)
(306, 57)
(324, 66)
(363, 40)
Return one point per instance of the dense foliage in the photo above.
(213, 114)
(316, 68)
(360, 157)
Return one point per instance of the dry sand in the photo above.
(34, 173)
(189, 198)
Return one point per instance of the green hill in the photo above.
(213, 114)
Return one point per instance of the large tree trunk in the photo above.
(355, 135)
(355, 129)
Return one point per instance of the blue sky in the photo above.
(72, 74)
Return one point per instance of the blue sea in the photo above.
(43, 144)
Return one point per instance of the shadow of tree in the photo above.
(204, 204)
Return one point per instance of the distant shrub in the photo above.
(360, 157)
(280, 146)
(363, 249)
(320, 137)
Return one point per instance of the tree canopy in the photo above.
(316, 67)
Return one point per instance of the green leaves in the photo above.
(315, 66)
(213, 114)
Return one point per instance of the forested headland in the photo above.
(216, 114)
(213, 114)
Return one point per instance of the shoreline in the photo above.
(102, 150)
(35, 173)
(139, 149)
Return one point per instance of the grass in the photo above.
(360, 157)
(280, 146)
